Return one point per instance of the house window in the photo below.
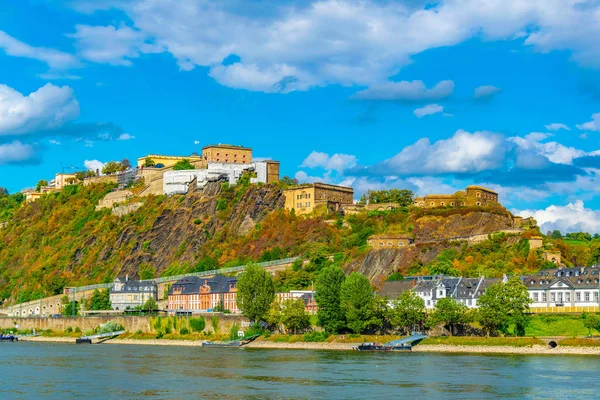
(587, 296)
(308, 204)
(535, 297)
(552, 297)
(544, 297)
(578, 296)
(595, 297)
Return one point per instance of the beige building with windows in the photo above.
(62, 180)
(388, 241)
(305, 198)
(471, 196)
(227, 153)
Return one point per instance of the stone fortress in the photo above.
(471, 196)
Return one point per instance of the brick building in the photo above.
(227, 153)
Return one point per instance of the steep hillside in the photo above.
(61, 240)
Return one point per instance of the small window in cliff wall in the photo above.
(389, 243)
(381, 243)
(400, 244)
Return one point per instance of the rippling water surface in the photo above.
(63, 371)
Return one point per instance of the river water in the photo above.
(64, 371)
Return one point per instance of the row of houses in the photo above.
(191, 295)
(556, 289)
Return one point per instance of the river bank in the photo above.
(422, 348)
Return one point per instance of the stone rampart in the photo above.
(130, 323)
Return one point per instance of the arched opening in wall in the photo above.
(389, 243)
(552, 344)
(400, 244)
(478, 203)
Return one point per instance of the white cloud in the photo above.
(428, 110)
(16, 152)
(54, 58)
(49, 107)
(485, 91)
(336, 162)
(55, 142)
(573, 217)
(88, 143)
(593, 125)
(125, 136)
(464, 152)
(553, 151)
(110, 45)
(339, 41)
(196, 142)
(556, 127)
(93, 165)
(406, 91)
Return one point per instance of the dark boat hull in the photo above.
(381, 347)
(9, 339)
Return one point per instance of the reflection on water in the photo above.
(34, 370)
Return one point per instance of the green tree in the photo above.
(150, 304)
(41, 182)
(504, 304)
(408, 312)
(125, 164)
(149, 162)
(99, 300)
(356, 296)
(330, 315)
(556, 234)
(3, 191)
(111, 167)
(147, 271)
(403, 197)
(294, 316)
(197, 324)
(591, 322)
(449, 312)
(183, 165)
(71, 308)
(255, 292)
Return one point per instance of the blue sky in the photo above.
(425, 95)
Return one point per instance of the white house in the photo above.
(564, 287)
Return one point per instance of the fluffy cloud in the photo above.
(487, 91)
(556, 127)
(406, 91)
(93, 165)
(16, 153)
(593, 125)
(125, 136)
(48, 108)
(464, 152)
(336, 162)
(428, 110)
(339, 41)
(54, 58)
(573, 217)
(110, 45)
(553, 151)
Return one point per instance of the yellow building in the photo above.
(389, 241)
(161, 161)
(305, 198)
(472, 196)
(62, 180)
(32, 195)
(227, 153)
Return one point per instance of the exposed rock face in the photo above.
(186, 223)
(432, 227)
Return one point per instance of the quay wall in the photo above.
(130, 323)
